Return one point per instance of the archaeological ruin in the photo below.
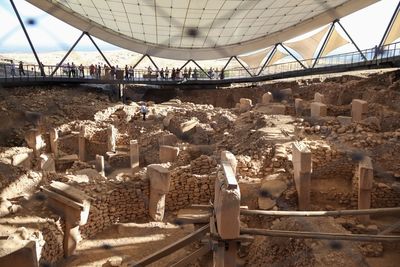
(273, 175)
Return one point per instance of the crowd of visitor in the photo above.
(98, 71)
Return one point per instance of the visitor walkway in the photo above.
(386, 57)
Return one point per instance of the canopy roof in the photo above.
(198, 29)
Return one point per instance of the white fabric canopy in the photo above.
(254, 60)
(200, 29)
(335, 41)
(307, 47)
(278, 55)
(394, 32)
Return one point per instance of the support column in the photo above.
(100, 164)
(159, 186)
(82, 143)
(366, 178)
(54, 142)
(111, 138)
(302, 173)
(134, 153)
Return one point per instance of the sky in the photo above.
(366, 27)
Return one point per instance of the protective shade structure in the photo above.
(394, 32)
(278, 55)
(254, 60)
(308, 46)
(335, 41)
(200, 29)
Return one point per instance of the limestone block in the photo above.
(82, 143)
(159, 177)
(54, 142)
(168, 140)
(272, 188)
(267, 98)
(47, 163)
(320, 98)
(318, 110)
(229, 157)
(100, 164)
(35, 141)
(18, 253)
(302, 173)
(359, 109)
(156, 205)
(134, 155)
(245, 104)
(266, 203)
(188, 125)
(22, 159)
(228, 213)
(344, 120)
(168, 153)
(299, 106)
(111, 138)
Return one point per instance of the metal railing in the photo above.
(29, 72)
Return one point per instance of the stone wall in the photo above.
(192, 184)
(116, 202)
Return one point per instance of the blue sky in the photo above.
(50, 34)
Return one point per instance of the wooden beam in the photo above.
(197, 235)
(311, 235)
(193, 256)
(320, 213)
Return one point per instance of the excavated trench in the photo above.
(182, 139)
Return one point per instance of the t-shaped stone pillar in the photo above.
(266, 98)
(82, 143)
(35, 141)
(318, 110)
(298, 106)
(320, 98)
(54, 142)
(100, 164)
(359, 109)
(73, 206)
(134, 154)
(111, 138)
(159, 186)
(366, 178)
(302, 173)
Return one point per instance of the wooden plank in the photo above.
(229, 175)
(197, 235)
(192, 257)
(67, 201)
(194, 215)
(312, 235)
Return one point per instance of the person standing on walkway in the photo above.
(21, 69)
(144, 110)
(12, 68)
